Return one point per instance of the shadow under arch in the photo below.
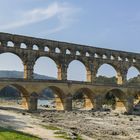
(137, 98)
(24, 94)
(43, 61)
(55, 94)
(116, 99)
(72, 65)
(83, 98)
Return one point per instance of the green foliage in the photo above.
(135, 80)
(50, 127)
(64, 135)
(110, 99)
(103, 79)
(8, 134)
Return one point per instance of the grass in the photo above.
(50, 127)
(9, 134)
(60, 133)
(65, 136)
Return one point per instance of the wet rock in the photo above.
(23, 113)
(131, 119)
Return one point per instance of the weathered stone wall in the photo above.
(29, 49)
(63, 53)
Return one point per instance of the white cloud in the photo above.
(64, 13)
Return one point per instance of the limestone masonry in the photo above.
(29, 49)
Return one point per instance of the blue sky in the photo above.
(113, 24)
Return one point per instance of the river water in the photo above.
(45, 102)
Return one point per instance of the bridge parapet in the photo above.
(99, 53)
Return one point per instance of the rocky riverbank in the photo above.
(75, 125)
(96, 125)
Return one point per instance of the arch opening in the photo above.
(51, 98)
(96, 55)
(23, 46)
(76, 71)
(134, 60)
(10, 44)
(46, 49)
(126, 59)
(57, 50)
(87, 54)
(83, 99)
(45, 68)
(104, 56)
(106, 74)
(112, 57)
(11, 67)
(133, 75)
(35, 47)
(137, 102)
(78, 53)
(68, 51)
(14, 96)
(115, 100)
(119, 58)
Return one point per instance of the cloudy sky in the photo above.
(111, 24)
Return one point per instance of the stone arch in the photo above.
(104, 56)
(68, 51)
(35, 47)
(41, 61)
(23, 93)
(134, 60)
(58, 94)
(12, 61)
(46, 49)
(96, 55)
(126, 59)
(132, 72)
(78, 53)
(116, 98)
(87, 54)
(120, 58)
(72, 65)
(112, 57)
(23, 46)
(110, 75)
(10, 44)
(86, 96)
(57, 50)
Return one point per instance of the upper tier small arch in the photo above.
(10, 44)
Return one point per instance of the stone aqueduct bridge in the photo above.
(29, 49)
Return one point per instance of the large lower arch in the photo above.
(46, 68)
(106, 74)
(76, 71)
(132, 74)
(116, 99)
(83, 99)
(11, 65)
(21, 91)
(56, 94)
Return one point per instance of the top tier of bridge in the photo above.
(74, 49)
(64, 53)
